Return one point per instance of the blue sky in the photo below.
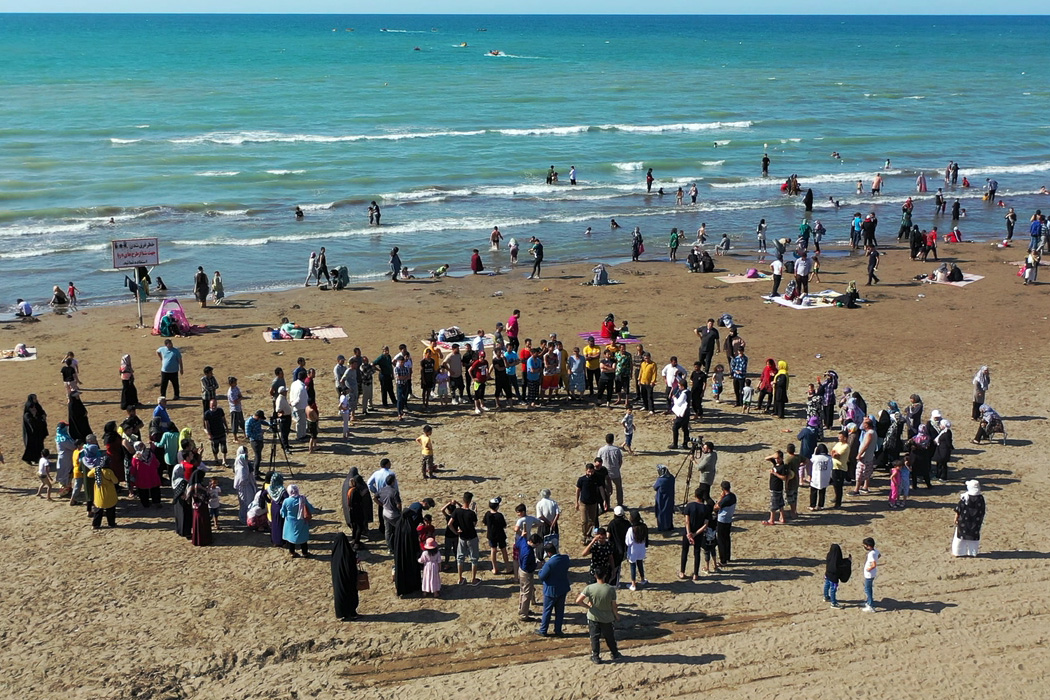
(411, 7)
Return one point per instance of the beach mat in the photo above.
(816, 299)
(319, 333)
(13, 358)
(967, 279)
(737, 279)
(599, 340)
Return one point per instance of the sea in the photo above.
(206, 131)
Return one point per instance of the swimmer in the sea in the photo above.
(835, 155)
(299, 215)
(587, 232)
(834, 202)
(613, 225)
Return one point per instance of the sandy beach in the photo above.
(139, 612)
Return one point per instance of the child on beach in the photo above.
(723, 245)
(895, 485)
(719, 379)
(747, 395)
(431, 561)
(71, 294)
(442, 385)
(905, 490)
(425, 530)
(214, 494)
(628, 429)
(344, 411)
(426, 446)
(625, 331)
(313, 419)
(45, 473)
(760, 234)
(233, 397)
(496, 532)
(217, 289)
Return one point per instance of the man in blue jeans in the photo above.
(555, 578)
(403, 375)
(871, 570)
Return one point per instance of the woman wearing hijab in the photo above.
(780, 388)
(892, 443)
(113, 445)
(129, 395)
(199, 497)
(664, 487)
(344, 578)
(827, 389)
(837, 570)
(277, 495)
(913, 414)
(65, 448)
(815, 409)
(765, 385)
(79, 427)
(105, 490)
(942, 450)
(182, 506)
(981, 380)
(990, 422)
(919, 447)
(296, 511)
(145, 474)
(357, 505)
(969, 517)
(408, 576)
(257, 519)
(243, 483)
(34, 432)
(732, 344)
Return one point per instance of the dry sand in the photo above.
(138, 612)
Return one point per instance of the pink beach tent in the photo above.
(174, 306)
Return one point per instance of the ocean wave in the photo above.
(241, 137)
(805, 180)
(544, 131)
(712, 163)
(32, 253)
(317, 207)
(1021, 169)
(220, 212)
(404, 31)
(142, 126)
(508, 55)
(660, 128)
(43, 229)
(286, 172)
(218, 173)
(635, 165)
(723, 143)
(120, 142)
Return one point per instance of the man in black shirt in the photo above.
(708, 343)
(465, 524)
(778, 476)
(215, 425)
(697, 515)
(587, 496)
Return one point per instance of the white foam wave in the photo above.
(1021, 169)
(286, 172)
(43, 229)
(635, 165)
(508, 55)
(142, 126)
(723, 143)
(711, 163)
(218, 173)
(32, 253)
(242, 137)
(317, 207)
(120, 142)
(544, 131)
(659, 128)
(805, 181)
(404, 31)
(228, 212)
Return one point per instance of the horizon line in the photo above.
(526, 14)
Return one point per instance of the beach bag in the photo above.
(789, 267)
(362, 581)
(845, 570)
(789, 293)
(751, 273)
(275, 334)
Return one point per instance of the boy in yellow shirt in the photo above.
(426, 444)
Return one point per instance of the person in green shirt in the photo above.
(600, 600)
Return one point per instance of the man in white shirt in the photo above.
(671, 371)
(680, 409)
(22, 308)
(337, 372)
(478, 344)
(299, 397)
(612, 458)
(548, 511)
(777, 266)
(803, 266)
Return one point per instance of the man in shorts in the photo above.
(465, 524)
(216, 427)
(778, 477)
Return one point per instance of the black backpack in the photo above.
(845, 570)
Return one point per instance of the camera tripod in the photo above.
(690, 460)
(275, 440)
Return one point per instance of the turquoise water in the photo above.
(207, 131)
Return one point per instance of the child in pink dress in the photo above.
(431, 561)
(895, 485)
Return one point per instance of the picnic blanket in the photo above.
(9, 355)
(814, 302)
(599, 340)
(489, 341)
(967, 279)
(319, 333)
(737, 279)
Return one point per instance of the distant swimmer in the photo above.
(111, 220)
(835, 155)
(860, 187)
(649, 181)
(495, 52)
(834, 202)
(299, 214)
(374, 214)
(660, 192)
(587, 232)
(920, 183)
(887, 166)
(550, 175)
(613, 225)
(876, 185)
(765, 165)
(1043, 190)
(494, 238)
(572, 175)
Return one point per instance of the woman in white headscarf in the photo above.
(969, 516)
(981, 380)
(243, 483)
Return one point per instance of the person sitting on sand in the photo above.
(58, 298)
(440, 272)
(405, 274)
(23, 309)
(723, 245)
(601, 275)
